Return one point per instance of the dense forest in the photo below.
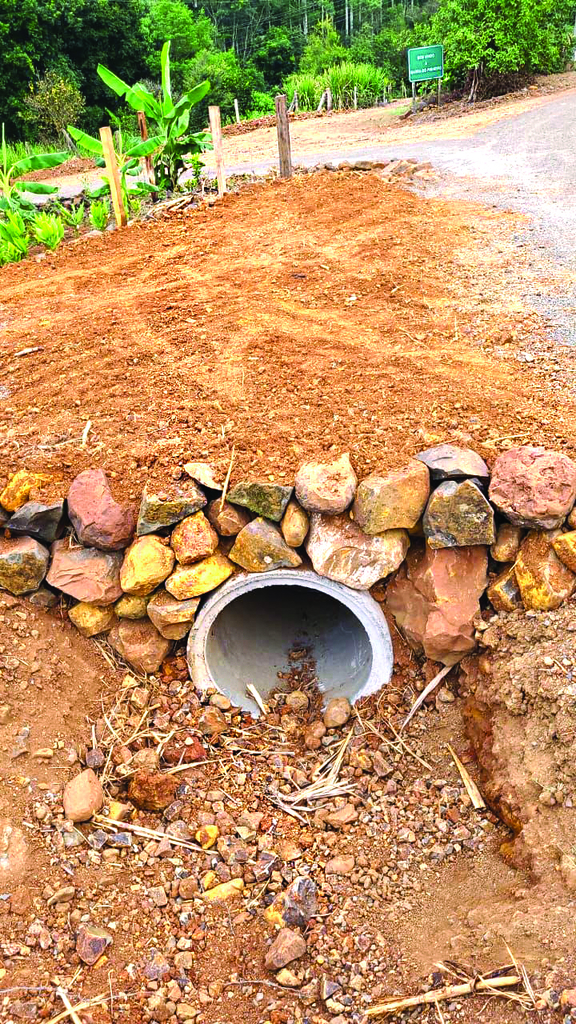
(249, 49)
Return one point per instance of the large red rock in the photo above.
(140, 644)
(85, 573)
(326, 486)
(98, 519)
(435, 597)
(534, 486)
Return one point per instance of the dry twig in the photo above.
(471, 787)
(422, 696)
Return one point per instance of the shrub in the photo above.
(48, 229)
(323, 49)
(55, 103)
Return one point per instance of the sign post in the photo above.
(425, 63)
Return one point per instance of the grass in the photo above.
(342, 79)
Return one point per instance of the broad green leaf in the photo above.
(145, 148)
(87, 141)
(37, 163)
(37, 188)
(140, 99)
(165, 65)
(97, 193)
(112, 81)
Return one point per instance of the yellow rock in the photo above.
(131, 607)
(504, 593)
(565, 548)
(18, 488)
(193, 580)
(209, 880)
(119, 811)
(544, 581)
(225, 891)
(147, 563)
(207, 836)
(273, 915)
(90, 620)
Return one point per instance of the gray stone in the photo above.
(168, 505)
(43, 522)
(23, 564)
(260, 547)
(448, 462)
(458, 516)
(265, 499)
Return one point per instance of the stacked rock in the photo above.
(435, 526)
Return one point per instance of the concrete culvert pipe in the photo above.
(246, 630)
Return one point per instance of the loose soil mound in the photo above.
(335, 312)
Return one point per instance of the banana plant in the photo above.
(11, 187)
(128, 162)
(171, 119)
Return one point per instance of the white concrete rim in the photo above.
(360, 603)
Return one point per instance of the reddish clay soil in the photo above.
(336, 312)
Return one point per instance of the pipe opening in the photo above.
(251, 638)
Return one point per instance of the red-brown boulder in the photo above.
(140, 644)
(435, 597)
(99, 521)
(534, 486)
(85, 573)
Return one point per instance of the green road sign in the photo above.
(425, 63)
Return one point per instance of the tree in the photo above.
(323, 49)
(55, 103)
(172, 19)
(229, 80)
(486, 41)
(275, 57)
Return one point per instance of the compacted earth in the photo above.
(338, 312)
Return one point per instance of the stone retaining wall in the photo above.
(433, 541)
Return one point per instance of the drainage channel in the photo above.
(246, 630)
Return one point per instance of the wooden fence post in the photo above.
(237, 111)
(113, 176)
(322, 102)
(355, 97)
(216, 130)
(329, 100)
(144, 135)
(283, 130)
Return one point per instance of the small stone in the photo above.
(172, 618)
(151, 791)
(337, 713)
(99, 521)
(507, 544)
(533, 487)
(313, 735)
(91, 942)
(63, 895)
(185, 1011)
(289, 851)
(140, 644)
(225, 891)
(341, 551)
(193, 538)
(156, 966)
(297, 700)
(288, 979)
(85, 573)
(18, 489)
(343, 816)
(119, 811)
(83, 796)
(340, 866)
(458, 515)
(265, 499)
(435, 598)
(43, 598)
(205, 474)
(207, 836)
(327, 487)
(565, 548)
(212, 722)
(43, 522)
(504, 592)
(194, 580)
(219, 700)
(92, 619)
(23, 564)
(447, 462)
(95, 758)
(158, 895)
(260, 547)
(392, 500)
(295, 524)
(227, 519)
(294, 907)
(544, 581)
(147, 563)
(288, 946)
(160, 509)
(130, 606)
